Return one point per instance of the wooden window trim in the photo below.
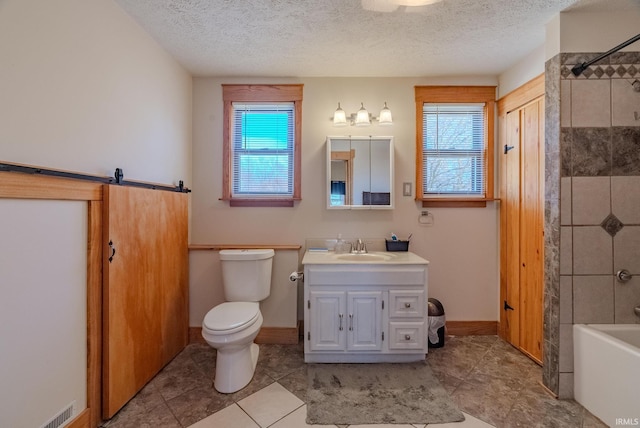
(457, 94)
(261, 93)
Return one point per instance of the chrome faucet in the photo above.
(359, 247)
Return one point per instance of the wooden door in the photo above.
(511, 229)
(145, 288)
(531, 230)
(522, 219)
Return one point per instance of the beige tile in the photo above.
(566, 386)
(270, 404)
(624, 103)
(593, 299)
(565, 103)
(626, 250)
(625, 199)
(591, 198)
(590, 103)
(627, 297)
(592, 251)
(566, 250)
(469, 422)
(297, 419)
(566, 299)
(565, 360)
(231, 416)
(565, 201)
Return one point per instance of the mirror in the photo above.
(360, 172)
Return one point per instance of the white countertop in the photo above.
(371, 258)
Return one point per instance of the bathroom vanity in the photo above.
(364, 308)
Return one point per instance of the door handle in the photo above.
(350, 322)
(507, 148)
(340, 326)
(113, 251)
(507, 306)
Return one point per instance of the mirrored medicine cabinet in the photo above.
(359, 172)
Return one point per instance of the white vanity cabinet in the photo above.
(340, 320)
(365, 312)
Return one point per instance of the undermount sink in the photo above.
(364, 257)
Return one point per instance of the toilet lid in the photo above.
(231, 315)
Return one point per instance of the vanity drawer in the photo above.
(406, 335)
(406, 303)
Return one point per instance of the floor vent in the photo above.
(62, 417)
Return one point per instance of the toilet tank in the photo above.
(246, 274)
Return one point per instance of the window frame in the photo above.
(260, 94)
(457, 95)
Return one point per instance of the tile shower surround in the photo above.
(592, 195)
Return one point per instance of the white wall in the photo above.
(529, 67)
(598, 32)
(278, 310)
(462, 245)
(84, 88)
(43, 310)
(591, 31)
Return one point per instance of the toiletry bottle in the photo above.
(340, 245)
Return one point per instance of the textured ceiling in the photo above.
(343, 38)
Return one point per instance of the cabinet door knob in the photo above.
(340, 326)
(407, 305)
(407, 337)
(350, 322)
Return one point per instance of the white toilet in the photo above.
(231, 326)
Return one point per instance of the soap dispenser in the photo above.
(340, 245)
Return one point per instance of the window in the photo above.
(262, 144)
(455, 145)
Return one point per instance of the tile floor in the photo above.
(491, 382)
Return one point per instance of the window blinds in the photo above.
(454, 150)
(263, 149)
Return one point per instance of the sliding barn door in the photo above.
(145, 286)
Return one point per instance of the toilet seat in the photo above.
(230, 317)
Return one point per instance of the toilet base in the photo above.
(235, 368)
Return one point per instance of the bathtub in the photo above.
(606, 364)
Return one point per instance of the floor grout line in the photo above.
(280, 362)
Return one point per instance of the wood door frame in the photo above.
(533, 89)
(24, 186)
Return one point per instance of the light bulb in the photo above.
(362, 118)
(339, 117)
(385, 116)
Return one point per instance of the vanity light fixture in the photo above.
(339, 117)
(385, 116)
(362, 117)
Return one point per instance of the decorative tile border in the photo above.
(619, 65)
(603, 71)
